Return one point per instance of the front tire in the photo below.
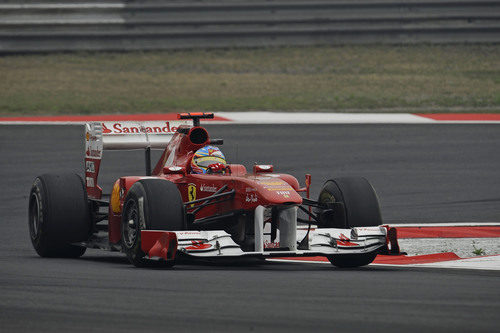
(59, 215)
(356, 199)
(150, 204)
(352, 260)
(354, 203)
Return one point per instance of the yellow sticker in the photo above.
(271, 182)
(115, 198)
(191, 193)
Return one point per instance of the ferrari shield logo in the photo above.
(191, 193)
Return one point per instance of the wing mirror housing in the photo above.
(259, 168)
(174, 169)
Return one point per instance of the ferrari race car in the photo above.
(172, 213)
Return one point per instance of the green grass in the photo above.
(478, 252)
(364, 78)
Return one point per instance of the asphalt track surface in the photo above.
(431, 173)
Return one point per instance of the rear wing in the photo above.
(123, 135)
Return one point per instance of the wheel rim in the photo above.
(35, 219)
(131, 224)
(326, 197)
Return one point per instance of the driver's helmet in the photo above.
(206, 156)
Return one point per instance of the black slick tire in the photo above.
(352, 260)
(58, 215)
(356, 197)
(355, 204)
(150, 204)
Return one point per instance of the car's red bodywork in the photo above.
(172, 213)
(259, 187)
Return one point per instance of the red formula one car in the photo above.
(224, 212)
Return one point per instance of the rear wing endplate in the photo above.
(125, 135)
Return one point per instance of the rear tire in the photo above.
(150, 204)
(355, 204)
(59, 215)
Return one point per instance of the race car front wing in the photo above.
(290, 241)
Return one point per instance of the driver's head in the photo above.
(206, 156)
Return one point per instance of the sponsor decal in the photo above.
(276, 185)
(90, 137)
(89, 166)
(271, 245)
(93, 153)
(198, 245)
(93, 144)
(191, 193)
(105, 129)
(90, 181)
(270, 182)
(286, 194)
(250, 189)
(208, 188)
(115, 198)
(345, 241)
(370, 229)
(187, 233)
(279, 188)
(251, 197)
(111, 128)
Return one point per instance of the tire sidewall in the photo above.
(53, 193)
(39, 238)
(159, 207)
(135, 195)
(331, 188)
(360, 202)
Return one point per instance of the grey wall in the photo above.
(46, 26)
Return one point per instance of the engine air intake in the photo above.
(198, 135)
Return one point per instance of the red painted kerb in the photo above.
(393, 259)
(449, 232)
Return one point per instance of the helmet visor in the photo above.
(208, 160)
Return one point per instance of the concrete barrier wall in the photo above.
(48, 26)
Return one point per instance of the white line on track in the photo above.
(39, 6)
(322, 118)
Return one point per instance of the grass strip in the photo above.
(323, 78)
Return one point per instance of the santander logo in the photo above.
(111, 128)
(105, 130)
